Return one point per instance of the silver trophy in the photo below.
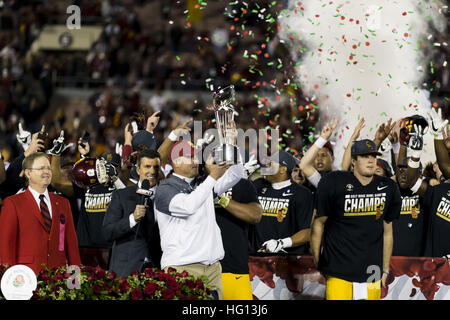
(224, 112)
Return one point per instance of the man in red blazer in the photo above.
(36, 226)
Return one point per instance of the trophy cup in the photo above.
(224, 113)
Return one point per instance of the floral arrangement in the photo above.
(94, 283)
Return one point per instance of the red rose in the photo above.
(168, 294)
(101, 274)
(135, 273)
(136, 294)
(112, 275)
(199, 284)
(58, 277)
(96, 288)
(149, 273)
(124, 286)
(150, 288)
(170, 270)
(172, 284)
(184, 274)
(190, 284)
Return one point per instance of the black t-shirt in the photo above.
(437, 203)
(353, 233)
(285, 212)
(410, 228)
(235, 231)
(95, 201)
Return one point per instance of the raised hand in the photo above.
(182, 129)
(24, 137)
(128, 135)
(119, 149)
(361, 124)
(395, 132)
(207, 139)
(416, 139)
(446, 136)
(83, 150)
(437, 123)
(36, 143)
(152, 121)
(328, 129)
(383, 130)
(58, 145)
(251, 166)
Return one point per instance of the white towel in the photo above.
(359, 290)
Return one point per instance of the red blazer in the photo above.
(23, 239)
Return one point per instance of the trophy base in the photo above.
(226, 153)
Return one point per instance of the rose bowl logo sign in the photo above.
(18, 283)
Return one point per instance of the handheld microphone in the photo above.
(145, 192)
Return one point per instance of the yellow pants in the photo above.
(236, 287)
(338, 289)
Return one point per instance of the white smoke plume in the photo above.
(363, 58)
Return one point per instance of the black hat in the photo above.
(405, 163)
(385, 165)
(143, 140)
(365, 146)
(285, 159)
(113, 158)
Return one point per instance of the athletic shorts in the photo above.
(338, 289)
(236, 287)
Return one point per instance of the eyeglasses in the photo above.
(41, 169)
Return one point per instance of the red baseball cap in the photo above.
(182, 149)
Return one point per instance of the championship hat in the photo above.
(143, 140)
(365, 146)
(285, 159)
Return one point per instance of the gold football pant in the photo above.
(236, 287)
(338, 289)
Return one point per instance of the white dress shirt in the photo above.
(38, 200)
(190, 234)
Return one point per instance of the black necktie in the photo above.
(45, 214)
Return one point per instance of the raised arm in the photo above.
(347, 158)
(442, 149)
(173, 137)
(415, 145)
(307, 162)
(440, 131)
(59, 181)
(382, 132)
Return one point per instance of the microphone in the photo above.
(145, 192)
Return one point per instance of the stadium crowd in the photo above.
(134, 192)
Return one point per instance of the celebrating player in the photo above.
(355, 211)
